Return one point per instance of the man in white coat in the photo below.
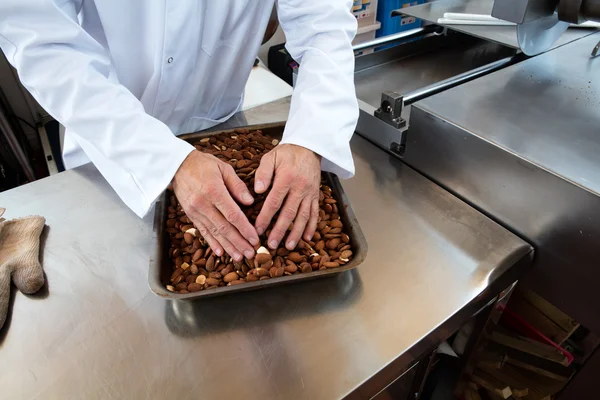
(125, 77)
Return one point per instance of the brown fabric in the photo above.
(19, 258)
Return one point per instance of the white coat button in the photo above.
(170, 60)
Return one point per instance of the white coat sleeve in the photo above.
(67, 72)
(324, 109)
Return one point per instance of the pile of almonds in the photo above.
(196, 267)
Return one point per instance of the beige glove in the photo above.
(19, 257)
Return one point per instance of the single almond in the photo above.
(295, 257)
(176, 273)
(185, 266)
(201, 279)
(195, 287)
(230, 277)
(260, 272)
(336, 224)
(212, 281)
(333, 243)
(262, 258)
(331, 264)
(210, 263)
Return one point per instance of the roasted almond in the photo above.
(295, 257)
(333, 243)
(262, 258)
(261, 272)
(194, 287)
(331, 264)
(336, 224)
(210, 263)
(181, 286)
(197, 255)
(212, 281)
(291, 268)
(282, 251)
(176, 273)
(230, 277)
(216, 275)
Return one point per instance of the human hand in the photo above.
(204, 186)
(297, 173)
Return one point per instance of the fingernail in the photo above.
(259, 186)
(217, 252)
(260, 230)
(247, 198)
(237, 256)
(253, 241)
(291, 245)
(273, 244)
(249, 254)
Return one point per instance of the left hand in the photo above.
(297, 173)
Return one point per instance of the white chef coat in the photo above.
(124, 76)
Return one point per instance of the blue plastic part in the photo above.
(391, 25)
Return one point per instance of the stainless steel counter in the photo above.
(96, 330)
(506, 35)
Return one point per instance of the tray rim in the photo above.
(357, 238)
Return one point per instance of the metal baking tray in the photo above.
(161, 266)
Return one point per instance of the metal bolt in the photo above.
(170, 60)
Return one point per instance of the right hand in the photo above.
(204, 185)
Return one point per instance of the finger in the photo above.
(228, 236)
(212, 242)
(235, 185)
(311, 226)
(302, 217)
(287, 215)
(264, 173)
(234, 216)
(273, 203)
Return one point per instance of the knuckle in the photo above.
(304, 214)
(212, 191)
(222, 229)
(273, 202)
(214, 231)
(288, 213)
(278, 232)
(233, 216)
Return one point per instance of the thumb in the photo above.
(28, 275)
(264, 173)
(4, 293)
(23, 237)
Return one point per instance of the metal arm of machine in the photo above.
(392, 103)
(412, 33)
